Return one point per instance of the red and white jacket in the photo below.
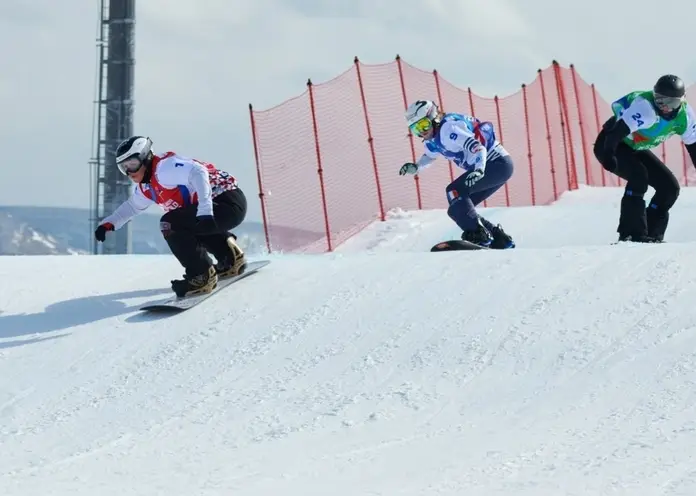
(175, 182)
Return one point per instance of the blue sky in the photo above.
(200, 63)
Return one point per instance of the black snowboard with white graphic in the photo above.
(175, 304)
(456, 245)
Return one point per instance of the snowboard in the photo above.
(456, 245)
(629, 242)
(175, 304)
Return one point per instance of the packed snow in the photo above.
(564, 367)
(582, 218)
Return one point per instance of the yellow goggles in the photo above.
(421, 126)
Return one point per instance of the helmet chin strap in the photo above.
(147, 163)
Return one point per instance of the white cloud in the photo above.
(495, 20)
(199, 64)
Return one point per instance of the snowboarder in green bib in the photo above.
(643, 120)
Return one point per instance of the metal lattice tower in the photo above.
(113, 118)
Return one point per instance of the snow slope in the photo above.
(585, 217)
(553, 369)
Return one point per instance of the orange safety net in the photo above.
(328, 159)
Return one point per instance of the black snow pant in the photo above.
(640, 169)
(463, 199)
(191, 249)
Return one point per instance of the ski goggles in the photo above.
(668, 103)
(130, 165)
(421, 126)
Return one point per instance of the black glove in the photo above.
(615, 132)
(100, 232)
(408, 168)
(205, 224)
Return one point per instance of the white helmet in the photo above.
(132, 153)
(420, 116)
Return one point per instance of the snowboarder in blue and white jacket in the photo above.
(471, 145)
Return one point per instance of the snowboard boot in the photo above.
(657, 221)
(501, 239)
(197, 284)
(479, 236)
(633, 224)
(638, 239)
(233, 262)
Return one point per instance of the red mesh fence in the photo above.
(328, 160)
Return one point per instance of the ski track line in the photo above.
(220, 388)
(637, 329)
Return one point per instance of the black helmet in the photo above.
(668, 94)
(670, 85)
(133, 153)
